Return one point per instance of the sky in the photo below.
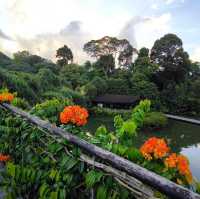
(42, 26)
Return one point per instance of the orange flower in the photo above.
(181, 163)
(6, 97)
(154, 147)
(4, 158)
(171, 161)
(183, 167)
(74, 114)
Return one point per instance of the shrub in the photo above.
(50, 109)
(155, 120)
(21, 103)
(102, 111)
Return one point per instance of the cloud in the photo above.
(153, 29)
(143, 31)
(128, 31)
(46, 45)
(140, 31)
(195, 56)
(154, 6)
(168, 2)
(4, 36)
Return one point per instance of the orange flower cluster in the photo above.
(6, 97)
(171, 161)
(181, 163)
(4, 158)
(75, 115)
(158, 149)
(154, 147)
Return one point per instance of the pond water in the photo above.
(182, 137)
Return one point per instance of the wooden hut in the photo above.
(116, 101)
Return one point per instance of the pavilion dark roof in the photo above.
(116, 99)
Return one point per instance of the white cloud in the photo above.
(146, 33)
(154, 6)
(46, 44)
(4, 36)
(129, 30)
(195, 56)
(37, 25)
(168, 2)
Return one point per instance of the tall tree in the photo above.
(64, 55)
(121, 50)
(173, 61)
(107, 63)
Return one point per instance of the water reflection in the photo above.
(182, 137)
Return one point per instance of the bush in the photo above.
(49, 109)
(21, 103)
(155, 120)
(100, 111)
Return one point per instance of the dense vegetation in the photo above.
(164, 74)
(41, 167)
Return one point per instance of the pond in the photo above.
(182, 137)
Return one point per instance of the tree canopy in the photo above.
(64, 55)
(121, 50)
(173, 61)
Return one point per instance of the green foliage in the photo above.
(90, 90)
(100, 84)
(50, 109)
(118, 86)
(93, 177)
(139, 112)
(44, 168)
(155, 120)
(107, 63)
(47, 79)
(64, 55)
(197, 185)
(103, 111)
(21, 103)
(102, 192)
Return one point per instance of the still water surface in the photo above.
(182, 137)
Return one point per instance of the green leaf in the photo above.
(54, 195)
(92, 177)
(43, 190)
(101, 192)
(62, 194)
(53, 173)
(70, 163)
(129, 127)
(10, 167)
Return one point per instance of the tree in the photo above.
(27, 57)
(64, 55)
(143, 63)
(173, 61)
(73, 73)
(107, 63)
(4, 59)
(119, 49)
(21, 56)
(100, 85)
(143, 88)
(144, 52)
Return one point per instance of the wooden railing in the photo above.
(121, 168)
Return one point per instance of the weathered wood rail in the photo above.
(160, 183)
(183, 119)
